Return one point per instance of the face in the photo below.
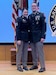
(34, 7)
(25, 13)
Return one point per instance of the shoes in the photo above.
(20, 69)
(33, 67)
(42, 70)
(25, 68)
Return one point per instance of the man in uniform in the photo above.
(22, 41)
(37, 37)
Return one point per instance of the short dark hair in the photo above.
(24, 9)
(34, 3)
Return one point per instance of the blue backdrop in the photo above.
(46, 6)
(6, 30)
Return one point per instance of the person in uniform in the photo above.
(22, 41)
(37, 34)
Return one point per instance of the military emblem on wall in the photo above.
(52, 20)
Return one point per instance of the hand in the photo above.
(19, 42)
(42, 39)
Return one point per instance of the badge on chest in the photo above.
(37, 19)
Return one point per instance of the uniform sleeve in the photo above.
(43, 23)
(18, 33)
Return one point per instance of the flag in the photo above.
(25, 4)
